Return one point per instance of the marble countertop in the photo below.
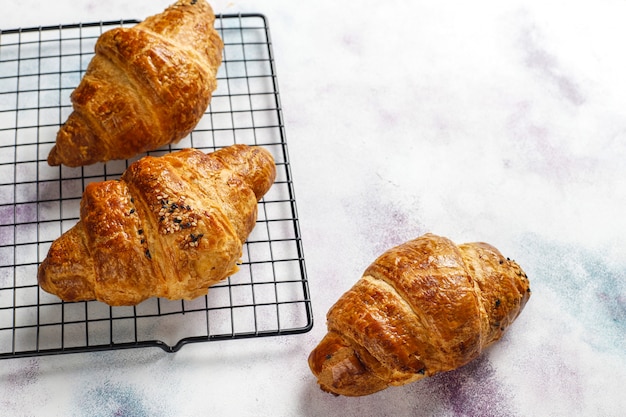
(486, 121)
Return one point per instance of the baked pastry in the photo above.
(147, 86)
(423, 307)
(170, 227)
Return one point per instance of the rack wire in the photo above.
(269, 296)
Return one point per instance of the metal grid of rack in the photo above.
(269, 296)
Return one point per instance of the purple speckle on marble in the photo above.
(7, 235)
(7, 215)
(384, 223)
(25, 213)
(112, 399)
(473, 390)
(548, 157)
(24, 376)
(6, 275)
(547, 66)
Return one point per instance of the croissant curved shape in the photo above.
(170, 227)
(423, 307)
(146, 86)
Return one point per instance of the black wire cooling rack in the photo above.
(269, 296)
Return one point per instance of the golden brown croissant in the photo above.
(423, 307)
(171, 227)
(146, 87)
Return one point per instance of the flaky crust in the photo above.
(171, 227)
(424, 307)
(147, 86)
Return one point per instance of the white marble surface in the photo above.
(484, 120)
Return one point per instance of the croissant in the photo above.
(170, 227)
(423, 307)
(147, 86)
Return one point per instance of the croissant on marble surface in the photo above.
(170, 227)
(423, 307)
(147, 86)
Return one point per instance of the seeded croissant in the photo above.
(147, 86)
(171, 227)
(424, 307)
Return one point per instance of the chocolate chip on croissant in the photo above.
(147, 86)
(170, 227)
(423, 307)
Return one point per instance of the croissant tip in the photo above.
(53, 158)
